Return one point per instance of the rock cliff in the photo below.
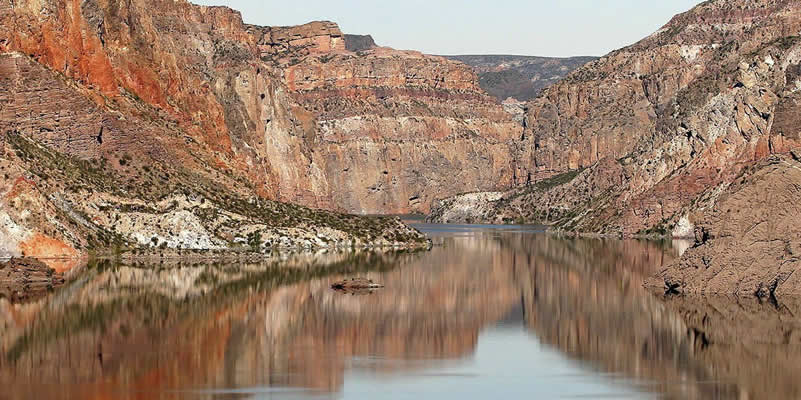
(749, 243)
(122, 122)
(637, 141)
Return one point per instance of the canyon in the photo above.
(691, 132)
(157, 124)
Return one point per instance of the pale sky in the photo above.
(555, 28)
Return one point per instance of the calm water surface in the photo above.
(488, 312)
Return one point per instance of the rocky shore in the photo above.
(25, 279)
(749, 243)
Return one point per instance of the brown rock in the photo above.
(683, 111)
(287, 109)
(748, 244)
(23, 279)
(356, 284)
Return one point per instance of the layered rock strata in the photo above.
(635, 142)
(393, 131)
(140, 105)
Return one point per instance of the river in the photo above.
(488, 312)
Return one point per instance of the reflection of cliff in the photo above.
(123, 332)
(586, 299)
(130, 332)
(756, 344)
(433, 307)
(150, 329)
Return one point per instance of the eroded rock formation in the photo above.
(145, 102)
(749, 243)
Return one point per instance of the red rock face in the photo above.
(286, 108)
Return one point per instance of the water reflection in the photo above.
(534, 314)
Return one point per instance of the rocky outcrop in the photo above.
(520, 77)
(359, 42)
(749, 243)
(24, 279)
(153, 102)
(156, 101)
(285, 42)
(654, 131)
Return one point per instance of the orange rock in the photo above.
(42, 246)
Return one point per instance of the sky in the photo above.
(556, 28)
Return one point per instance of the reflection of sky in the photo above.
(436, 230)
(509, 362)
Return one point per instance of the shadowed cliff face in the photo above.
(120, 331)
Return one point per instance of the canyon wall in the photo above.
(520, 77)
(108, 108)
(288, 109)
(637, 141)
(397, 130)
(749, 243)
